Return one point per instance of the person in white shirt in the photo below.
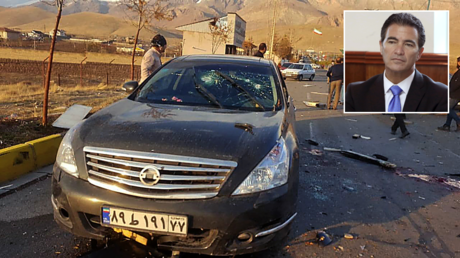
(152, 58)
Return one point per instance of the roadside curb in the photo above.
(24, 158)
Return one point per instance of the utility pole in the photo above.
(273, 29)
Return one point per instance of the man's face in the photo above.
(400, 49)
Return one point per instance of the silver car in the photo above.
(299, 71)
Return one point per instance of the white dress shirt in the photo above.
(404, 85)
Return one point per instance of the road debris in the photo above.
(429, 178)
(392, 139)
(356, 136)
(72, 116)
(323, 238)
(312, 142)
(348, 236)
(378, 156)
(348, 188)
(340, 247)
(314, 104)
(352, 120)
(316, 152)
(369, 159)
(129, 234)
(362, 247)
(320, 93)
(331, 149)
(420, 197)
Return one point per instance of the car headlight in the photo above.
(65, 158)
(270, 173)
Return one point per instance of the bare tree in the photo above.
(219, 31)
(144, 12)
(283, 47)
(248, 46)
(59, 4)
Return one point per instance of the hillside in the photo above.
(93, 25)
(15, 17)
(295, 18)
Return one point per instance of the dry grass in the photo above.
(25, 100)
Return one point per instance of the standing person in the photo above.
(454, 88)
(399, 122)
(262, 50)
(336, 73)
(152, 59)
(328, 76)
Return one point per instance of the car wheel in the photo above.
(300, 77)
(312, 77)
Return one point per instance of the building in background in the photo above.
(9, 34)
(223, 35)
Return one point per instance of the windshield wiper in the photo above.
(203, 91)
(239, 87)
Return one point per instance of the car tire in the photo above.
(312, 77)
(300, 77)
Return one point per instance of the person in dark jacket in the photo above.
(399, 122)
(262, 50)
(454, 90)
(336, 78)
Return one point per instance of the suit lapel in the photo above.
(416, 92)
(377, 91)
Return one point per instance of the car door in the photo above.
(305, 71)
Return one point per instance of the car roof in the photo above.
(224, 59)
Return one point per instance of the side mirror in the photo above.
(130, 86)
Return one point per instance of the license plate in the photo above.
(145, 221)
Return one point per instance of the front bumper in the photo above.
(214, 224)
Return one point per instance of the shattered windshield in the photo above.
(229, 86)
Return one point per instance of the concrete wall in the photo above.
(238, 28)
(199, 43)
(90, 70)
(24, 158)
(10, 35)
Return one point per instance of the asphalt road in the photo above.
(388, 212)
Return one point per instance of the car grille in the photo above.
(181, 177)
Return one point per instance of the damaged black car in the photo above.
(202, 157)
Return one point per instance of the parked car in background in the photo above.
(316, 66)
(299, 71)
(285, 65)
(202, 157)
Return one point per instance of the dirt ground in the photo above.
(21, 106)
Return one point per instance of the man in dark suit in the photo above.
(401, 88)
(262, 50)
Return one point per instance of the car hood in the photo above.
(182, 130)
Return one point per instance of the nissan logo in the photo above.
(149, 175)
